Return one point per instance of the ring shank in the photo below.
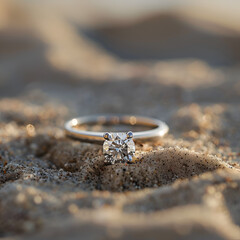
(159, 128)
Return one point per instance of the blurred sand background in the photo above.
(178, 61)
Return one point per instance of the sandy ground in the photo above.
(184, 186)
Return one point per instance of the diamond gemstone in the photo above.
(119, 148)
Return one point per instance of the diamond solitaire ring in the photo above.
(118, 146)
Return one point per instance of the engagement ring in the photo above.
(118, 146)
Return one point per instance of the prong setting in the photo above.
(120, 149)
(107, 136)
(129, 134)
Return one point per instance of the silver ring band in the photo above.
(159, 128)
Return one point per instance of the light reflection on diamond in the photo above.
(119, 149)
